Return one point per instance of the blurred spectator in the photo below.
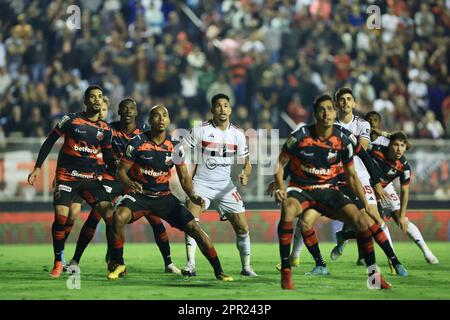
(425, 21)
(418, 94)
(386, 108)
(429, 127)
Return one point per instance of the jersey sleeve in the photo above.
(63, 125)
(178, 155)
(405, 177)
(290, 145)
(364, 130)
(348, 153)
(193, 138)
(242, 147)
(130, 152)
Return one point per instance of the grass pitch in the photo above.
(25, 269)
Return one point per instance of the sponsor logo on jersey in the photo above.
(75, 173)
(316, 171)
(100, 135)
(153, 173)
(85, 149)
(211, 164)
(80, 131)
(62, 187)
(332, 155)
(307, 154)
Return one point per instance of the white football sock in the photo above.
(191, 246)
(298, 243)
(388, 234)
(243, 245)
(415, 235)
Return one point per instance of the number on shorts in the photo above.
(368, 189)
(394, 197)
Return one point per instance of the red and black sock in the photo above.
(213, 259)
(382, 240)
(117, 251)
(109, 233)
(162, 240)
(68, 228)
(285, 233)
(86, 234)
(311, 242)
(58, 235)
(365, 241)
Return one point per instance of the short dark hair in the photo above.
(90, 88)
(219, 96)
(372, 113)
(320, 99)
(126, 101)
(341, 91)
(155, 107)
(399, 135)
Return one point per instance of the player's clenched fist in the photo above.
(243, 179)
(33, 175)
(197, 200)
(280, 195)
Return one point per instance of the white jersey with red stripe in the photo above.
(217, 150)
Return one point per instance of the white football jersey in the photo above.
(361, 129)
(381, 141)
(216, 151)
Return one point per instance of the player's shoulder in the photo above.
(299, 134)
(103, 125)
(236, 130)
(360, 121)
(171, 141)
(115, 125)
(138, 139)
(345, 135)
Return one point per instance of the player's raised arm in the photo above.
(43, 153)
(186, 184)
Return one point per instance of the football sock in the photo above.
(365, 241)
(117, 251)
(191, 246)
(86, 234)
(285, 231)
(385, 228)
(162, 240)
(213, 259)
(297, 244)
(68, 228)
(109, 233)
(415, 235)
(310, 239)
(243, 245)
(58, 235)
(382, 240)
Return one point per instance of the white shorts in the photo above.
(224, 196)
(394, 203)
(368, 190)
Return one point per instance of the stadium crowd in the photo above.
(271, 57)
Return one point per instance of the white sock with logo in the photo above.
(191, 246)
(243, 245)
(388, 234)
(297, 245)
(415, 235)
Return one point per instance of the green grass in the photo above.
(25, 268)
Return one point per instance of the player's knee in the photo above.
(121, 217)
(360, 222)
(288, 210)
(305, 225)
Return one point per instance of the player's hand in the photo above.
(243, 179)
(280, 195)
(270, 191)
(136, 187)
(33, 175)
(197, 200)
(381, 194)
(403, 224)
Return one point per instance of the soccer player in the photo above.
(219, 141)
(345, 102)
(122, 132)
(86, 138)
(316, 154)
(75, 207)
(388, 154)
(309, 218)
(145, 169)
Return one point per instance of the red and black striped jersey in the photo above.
(316, 163)
(151, 163)
(81, 152)
(390, 170)
(120, 140)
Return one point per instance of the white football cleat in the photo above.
(248, 272)
(431, 259)
(171, 268)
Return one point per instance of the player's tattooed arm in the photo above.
(280, 193)
(122, 175)
(186, 184)
(43, 153)
(404, 198)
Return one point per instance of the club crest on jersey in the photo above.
(100, 135)
(332, 155)
(169, 160)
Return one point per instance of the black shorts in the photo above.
(91, 191)
(113, 189)
(167, 207)
(349, 193)
(326, 201)
(77, 199)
